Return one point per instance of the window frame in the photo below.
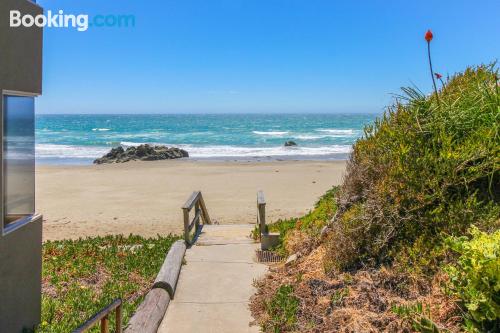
(13, 226)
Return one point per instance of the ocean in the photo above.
(79, 139)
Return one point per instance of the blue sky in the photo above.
(258, 55)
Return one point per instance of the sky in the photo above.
(233, 56)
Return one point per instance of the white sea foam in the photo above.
(318, 137)
(47, 151)
(101, 129)
(270, 133)
(231, 151)
(339, 131)
(221, 151)
(68, 151)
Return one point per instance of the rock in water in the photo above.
(290, 143)
(141, 153)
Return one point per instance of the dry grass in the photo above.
(353, 302)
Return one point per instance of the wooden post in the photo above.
(186, 225)
(118, 319)
(261, 206)
(197, 212)
(105, 324)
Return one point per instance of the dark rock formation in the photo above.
(141, 153)
(290, 143)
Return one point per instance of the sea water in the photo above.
(79, 139)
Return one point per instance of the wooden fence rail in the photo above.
(103, 317)
(201, 213)
(267, 240)
(261, 213)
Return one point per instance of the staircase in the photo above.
(216, 283)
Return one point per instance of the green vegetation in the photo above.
(475, 278)
(311, 223)
(418, 317)
(282, 310)
(422, 171)
(338, 296)
(422, 178)
(80, 277)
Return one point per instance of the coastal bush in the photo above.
(428, 168)
(418, 317)
(475, 278)
(80, 277)
(282, 310)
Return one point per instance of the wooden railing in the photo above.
(103, 317)
(261, 213)
(268, 239)
(200, 213)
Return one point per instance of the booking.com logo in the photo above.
(80, 22)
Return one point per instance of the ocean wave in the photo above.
(309, 137)
(270, 133)
(101, 129)
(69, 151)
(318, 137)
(215, 151)
(338, 131)
(232, 151)
(221, 151)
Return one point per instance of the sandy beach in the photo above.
(145, 197)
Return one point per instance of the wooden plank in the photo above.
(261, 200)
(196, 220)
(150, 313)
(192, 200)
(206, 217)
(186, 225)
(169, 272)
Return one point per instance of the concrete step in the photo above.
(216, 283)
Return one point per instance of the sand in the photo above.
(145, 198)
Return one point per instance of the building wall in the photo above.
(20, 278)
(20, 250)
(20, 50)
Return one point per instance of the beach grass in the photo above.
(80, 277)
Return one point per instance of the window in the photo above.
(18, 160)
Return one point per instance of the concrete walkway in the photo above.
(215, 285)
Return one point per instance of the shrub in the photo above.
(282, 310)
(422, 170)
(418, 316)
(475, 278)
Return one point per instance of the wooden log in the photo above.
(150, 313)
(169, 272)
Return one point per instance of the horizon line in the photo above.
(208, 113)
